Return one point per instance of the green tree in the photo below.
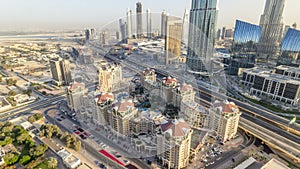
(38, 150)
(11, 93)
(31, 119)
(77, 145)
(11, 82)
(52, 162)
(10, 158)
(25, 159)
(22, 138)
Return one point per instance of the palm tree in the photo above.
(52, 162)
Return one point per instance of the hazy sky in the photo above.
(70, 14)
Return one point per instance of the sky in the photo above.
(16, 15)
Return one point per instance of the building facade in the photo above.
(60, 70)
(148, 79)
(163, 24)
(166, 89)
(194, 114)
(173, 39)
(174, 143)
(271, 22)
(224, 119)
(185, 27)
(103, 102)
(139, 20)
(149, 23)
(109, 76)
(203, 21)
(75, 92)
(244, 47)
(129, 23)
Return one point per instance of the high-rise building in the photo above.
(123, 31)
(203, 17)
(163, 24)
(104, 38)
(174, 143)
(173, 39)
(75, 92)
(185, 27)
(129, 23)
(294, 25)
(244, 47)
(60, 70)
(103, 102)
(121, 114)
(223, 32)
(87, 34)
(139, 20)
(149, 22)
(229, 33)
(110, 77)
(117, 35)
(290, 49)
(271, 22)
(218, 34)
(224, 119)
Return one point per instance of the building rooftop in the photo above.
(104, 97)
(64, 153)
(170, 81)
(226, 106)
(288, 68)
(198, 137)
(175, 127)
(123, 105)
(148, 72)
(182, 88)
(273, 163)
(76, 86)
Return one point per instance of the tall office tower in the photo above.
(75, 93)
(93, 33)
(60, 70)
(173, 39)
(272, 29)
(129, 23)
(244, 47)
(123, 31)
(109, 76)
(174, 143)
(118, 35)
(203, 18)
(185, 27)
(149, 22)
(229, 33)
(139, 20)
(163, 24)
(104, 38)
(223, 32)
(218, 34)
(224, 119)
(87, 34)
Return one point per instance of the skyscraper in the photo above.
(149, 20)
(123, 31)
(203, 16)
(129, 23)
(272, 29)
(173, 39)
(218, 34)
(139, 21)
(163, 24)
(223, 32)
(60, 70)
(185, 27)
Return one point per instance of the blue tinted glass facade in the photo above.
(291, 41)
(290, 49)
(244, 47)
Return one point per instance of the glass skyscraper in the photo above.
(290, 48)
(272, 29)
(203, 17)
(244, 46)
(139, 21)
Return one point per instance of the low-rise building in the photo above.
(21, 98)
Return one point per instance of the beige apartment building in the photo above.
(173, 143)
(110, 76)
(60, 70)
(75, 92)
(224, 119)
(103, 102)
(183, 92)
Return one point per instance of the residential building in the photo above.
(224, 119)
(265, 84)
(129, 23)
(110, 76)
(271, 22)
(60, 70)
(173, 39)
(174, 143)
(203, 21)
(183, 92)
(194, 114)
(139, 20)
(148, 79)
(166, 89)
(163, 24)
(197, 140)
(149, 23)
(75, 92)
(244, 47)
(120, 116)
(103, 103)
(290, 49)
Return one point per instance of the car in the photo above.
(82, 136)
(58, 119)
(126, 161)
(80, 129)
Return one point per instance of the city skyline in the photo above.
(34, 15)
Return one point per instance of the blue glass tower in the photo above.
(203, 17)
(290, 48)
(244, 46)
